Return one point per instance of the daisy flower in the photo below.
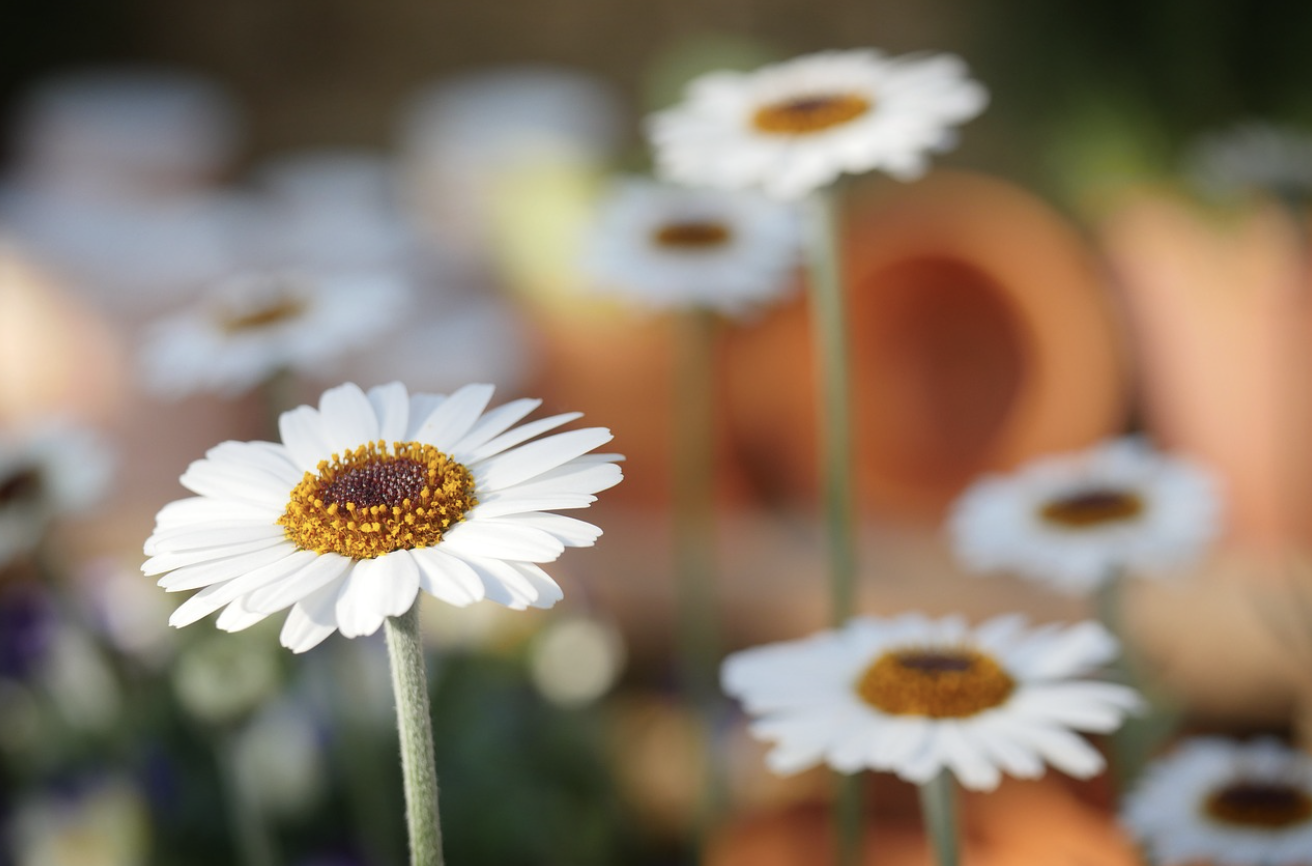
(916, 696)
(1252, 157)
(371, 498)
(670, 247)
(39, 481)
(1076, 520)
(795, 126)
(257, 324)
(1225, 803)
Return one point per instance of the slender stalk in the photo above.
(414, 724)
(694, 541)
(938, 807)
(1131, 743)
(250, 833)
(834, 427)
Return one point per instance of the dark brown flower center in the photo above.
(939, 683)
(808, 114)
(21, 485)
(277, 310)
(373, 500)
(1271, 805)
(692, 235)
(1092, 507)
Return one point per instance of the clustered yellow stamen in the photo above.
(807, 114)
(369, 502)
(939, 683)
(1093, 507)
(21, 485)
(278, 309)
(691, 235)
(1269, 805)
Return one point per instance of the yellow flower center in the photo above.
(1265, 805)
(278, 309)
(1091, 508)
(371, 501)
(692, 235)
(939, 683)
(807, 114)
(21, 485)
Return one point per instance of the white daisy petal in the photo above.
(373, 591)
(312, 619)
(536, 458)
(163, 562)
(348, 417)
(303, 434)
(392, 406)
(915, 696)
(323, 570)
(452, 420)
(509, 539)
(495, 422)
(236, 616)
(447, 577)
(514, 437)
(223, 569)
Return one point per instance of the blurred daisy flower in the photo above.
(46, 470)
(252, 326)
(795, 126)
(1253, 157)
(1225, 803)
(371, 498)
(916, 696)
(672, 247)
(1074, 521)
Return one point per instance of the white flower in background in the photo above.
(371, 498)
(46, 470)
(916, 696)
(1225, 803)
(255, 325)
(576, 659)
(672, 247)
(279, 759)
(1253, 157)
(223, 681)
(103, 823)
(795, 126)
(1075, 521)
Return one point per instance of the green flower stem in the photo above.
(829, 336)
(414, 724)
(938, 808)
(1133, 742)
(694, 540)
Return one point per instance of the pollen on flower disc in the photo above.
(808, 114)
(1259, 804)
(938, 683)
(280, 309)
(374, 500)
(1094, 507)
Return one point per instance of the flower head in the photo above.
(1073, 521)
(49, 469)
(791, 127)
(257, 324)
(670, 247)
(915, 696)
(369, 499)
(1225, 803)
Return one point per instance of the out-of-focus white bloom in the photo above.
(917, 696)
(667, 247)
(576, 660)
(1225, 803)
(1254, 157)
(125, 132)
(279, 760)
(77, 676)
(127, 611)
(250, 327)
(104, 824)
(1074, 521)
(789, 128)
(464, 138)
(47, 469)
(221, 681)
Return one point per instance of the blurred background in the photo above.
(1074, 270)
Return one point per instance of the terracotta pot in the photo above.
(981, 336)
